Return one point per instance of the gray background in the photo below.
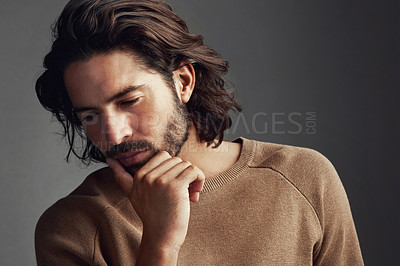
(339, 59)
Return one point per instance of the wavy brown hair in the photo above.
(153, 32)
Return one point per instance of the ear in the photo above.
(185, 79)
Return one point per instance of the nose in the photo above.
(117, 128)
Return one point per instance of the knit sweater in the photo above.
(277, 205)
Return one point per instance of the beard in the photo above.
(174, 137)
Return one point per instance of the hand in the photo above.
(160, 193)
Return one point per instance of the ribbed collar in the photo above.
(245, 158)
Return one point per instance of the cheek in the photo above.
(152, 122)
(153, 115)
(92, 132)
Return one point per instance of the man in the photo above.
(148, 98)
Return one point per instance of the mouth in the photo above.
(132, 158)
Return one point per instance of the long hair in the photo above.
(161, 40)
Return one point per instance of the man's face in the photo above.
(126, 110)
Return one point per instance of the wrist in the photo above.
(164, 240)
(158, 250)
(151, 253)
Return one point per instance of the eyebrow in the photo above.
(112, 98)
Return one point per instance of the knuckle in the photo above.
(164, 154)
(192, 167)
(149, 177)
(186, 163)
(140, 174)
(160, 182)
(176, 160)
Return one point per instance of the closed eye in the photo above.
(90, 117)
(130, 102)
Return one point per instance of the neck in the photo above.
(211, 161)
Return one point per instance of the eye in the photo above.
(130, 102)
(90, 117)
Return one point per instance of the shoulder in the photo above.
(287, 157)
(98, 191)
(311, 174)
(73, 220)
(306, 170)
(297, 164)
(308, 173)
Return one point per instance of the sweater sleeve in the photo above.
(322, 187)
(340, 245)
(316, 179)
(64, 236)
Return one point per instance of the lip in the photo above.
(132, 158)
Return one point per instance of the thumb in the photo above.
(122, 177)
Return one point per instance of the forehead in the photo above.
(104, 75)
(99, 68)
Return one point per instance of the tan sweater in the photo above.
(278, 205)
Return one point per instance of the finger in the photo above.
(161, 170)
(123, 178)
(152, 163)
(174, 171)
(194, 178)
(194, 196)
(196, 187)
(193, 174)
